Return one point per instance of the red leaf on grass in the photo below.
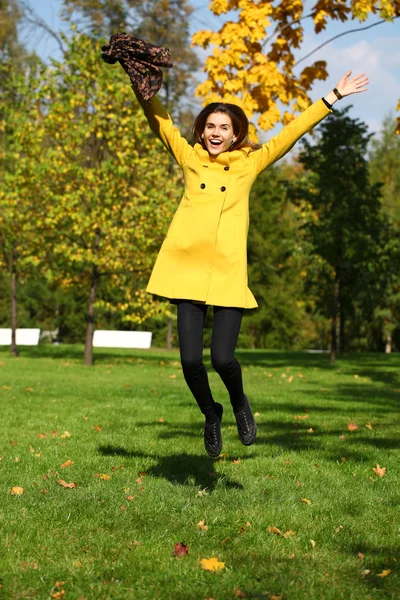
(352, 427)
(180, 549)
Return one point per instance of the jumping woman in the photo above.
(203, 259)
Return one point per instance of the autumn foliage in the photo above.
(253, 58)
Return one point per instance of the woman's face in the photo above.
(218, 133)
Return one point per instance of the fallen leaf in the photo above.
(365, 572)
(212, 564)
(239, 594)
(201, 525)
(85, 418)
(342, 437)
(17, 491)
(352, 427)
(300, 375)
(236, 462)
(274, 530)
(302, 417)
(42, 436)
(97, 428)
(180, 550)
(58, 595)
(360, 555)
(173, 376)
(379, 471)
(78, 564)
(344, 459)
(130, 498)
(290, 379)
(202, 492)
(44, 491)
(29, 389)
(66, 434)
(256, 414)
(139, 480)
(67, 464)
(313, 543)
(384, 573)
(161, 420)
(369, 426)
(272, 597)
(311, 430)
(67, 485)
(306, 501)
(299, 483)
(17, 459)
(289, 533)
(338, 529)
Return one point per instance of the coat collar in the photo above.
(225, 158)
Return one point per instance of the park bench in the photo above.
(103, 338)
(24, 337)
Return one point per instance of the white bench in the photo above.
(103, 338)
(24, 337)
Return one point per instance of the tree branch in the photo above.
(34, 19)
(335, 37)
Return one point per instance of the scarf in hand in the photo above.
(140, 60)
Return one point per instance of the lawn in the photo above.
(302, 514)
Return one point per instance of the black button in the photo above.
(226, 168)
(223, 188)
(203, 185)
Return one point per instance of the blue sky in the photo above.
(375, 52)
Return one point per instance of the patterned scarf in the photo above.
(140, 60)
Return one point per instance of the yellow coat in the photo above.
(204, 255)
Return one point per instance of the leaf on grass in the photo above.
(58, 595)
(65, 435)
(342, 437)
(236, 461)
(67, 485)
(274, 530)
(369, 426)
(17, 491)
(313, 543)
(44, 491)
(272, 597)
(180, 549)
(338, 529)
(78, 564)
(290, 379)
(238, 593)
(379, 471)
(360, 555)
(202, 492)
(302, 417)
(384, 573)
(256, 414)
(97, 428)
(161, 420)
(352, 427)
(212, 564)
(42, 436)
(201, 525)
(29, 389)
(173, 376)
(365, 572)
(306, 501)
(130, 498)
(311, 430)
(67, 464)
(289, 533)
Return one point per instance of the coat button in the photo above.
(226, 168)
(203, 185)
(223, 188)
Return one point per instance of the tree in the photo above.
(384, 168)
(106, 212)
(347, 228)
(253, 62)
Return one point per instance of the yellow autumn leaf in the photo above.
(379, 471)
(201, 525)
(306, 501)
(212, 564)
(384, 573)
(68, 463)
(65, 435)
(17, 491)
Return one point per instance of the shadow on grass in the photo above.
(180, 469)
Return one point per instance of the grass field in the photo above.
(299, 515)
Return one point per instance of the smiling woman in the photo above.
(203, 260)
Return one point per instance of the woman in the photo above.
(203, 260)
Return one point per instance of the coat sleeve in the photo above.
(161, 124)
(279, 145)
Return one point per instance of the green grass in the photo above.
(130, 420)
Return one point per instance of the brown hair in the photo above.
(239, 120)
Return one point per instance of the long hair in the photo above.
(240, 124)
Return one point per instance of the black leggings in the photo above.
(225, 333)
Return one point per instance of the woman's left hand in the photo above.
(353, 85)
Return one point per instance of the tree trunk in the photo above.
(88, 358)
(334, 319)
(14, 349)
(169, 334)
(342, 340)
(388, 346)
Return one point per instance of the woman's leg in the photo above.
(227, 322)
(190, 330)
(226, 329)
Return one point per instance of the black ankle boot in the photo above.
(246, 425)
(212, 433)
